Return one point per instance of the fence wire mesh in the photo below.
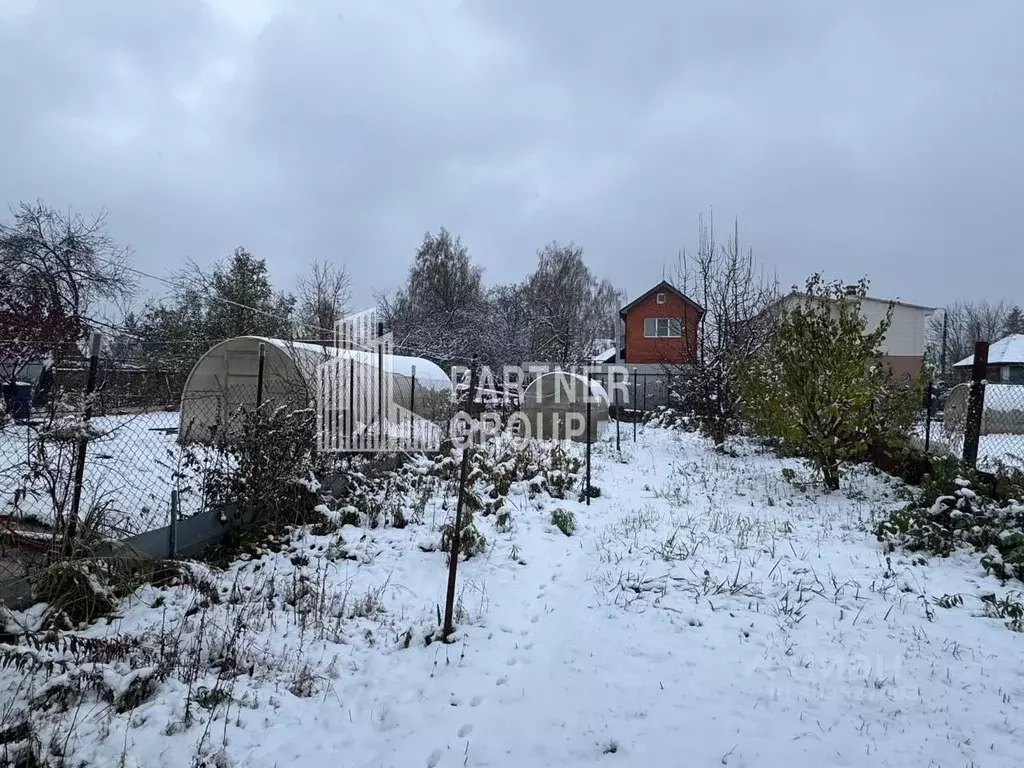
(1001, 433)
(152, 431)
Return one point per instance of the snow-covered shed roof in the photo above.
(1006, 351)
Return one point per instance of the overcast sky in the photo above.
(877, 138)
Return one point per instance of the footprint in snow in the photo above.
(434, 759)
(534, 619)
(465, 730)
(502, 680)
(476, 701)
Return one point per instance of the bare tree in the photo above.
(440, 313)
(508, 326)
(569, 307)
(739, 301)
(72, 261)
(952, 333)
(324, 295)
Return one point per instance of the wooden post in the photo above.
(95, 342)
(453, 560)
(975, 404)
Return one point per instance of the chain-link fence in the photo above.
(1001, 431)
(150, 434)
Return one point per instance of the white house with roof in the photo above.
(1005, 361)
(904, 342)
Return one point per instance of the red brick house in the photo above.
(660, 327)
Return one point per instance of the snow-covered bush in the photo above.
(264, 465)
(822, 387)
(958, 508)
(471, 541)
(564, 520)
(673, 417)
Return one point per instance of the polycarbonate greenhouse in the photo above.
(225, 379)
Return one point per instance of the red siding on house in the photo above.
(643, 350)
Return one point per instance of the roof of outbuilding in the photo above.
(1006, 351)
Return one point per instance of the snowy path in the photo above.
(559, 671)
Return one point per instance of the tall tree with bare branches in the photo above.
(738, 300)
(324, 294)
(957, 327)
(569, 307)
(68, 262)
(440, 312)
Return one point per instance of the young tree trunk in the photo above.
(830, 474)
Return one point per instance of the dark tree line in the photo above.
(69, 277)
(953, 330)
(446, 312)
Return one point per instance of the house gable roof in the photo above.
(663, 286)
(897, 302)
(1007, 351)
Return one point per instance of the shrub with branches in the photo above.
(738, 317)
(263, 463)
(822, 387)
(959, 508)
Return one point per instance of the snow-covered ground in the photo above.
(706, 611)
(130, 468)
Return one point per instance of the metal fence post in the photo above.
(589, 440)
(928, 417)
(632, 402)
(173, 544)
(95, 341)
(453, 561)
(412, 408)
(380, 386)
(351, 403)
(645, 393)
(619, 410)
(975, 404)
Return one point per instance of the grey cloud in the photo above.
(875, 138)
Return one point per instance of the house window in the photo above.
(663, 327)
(661, 298)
